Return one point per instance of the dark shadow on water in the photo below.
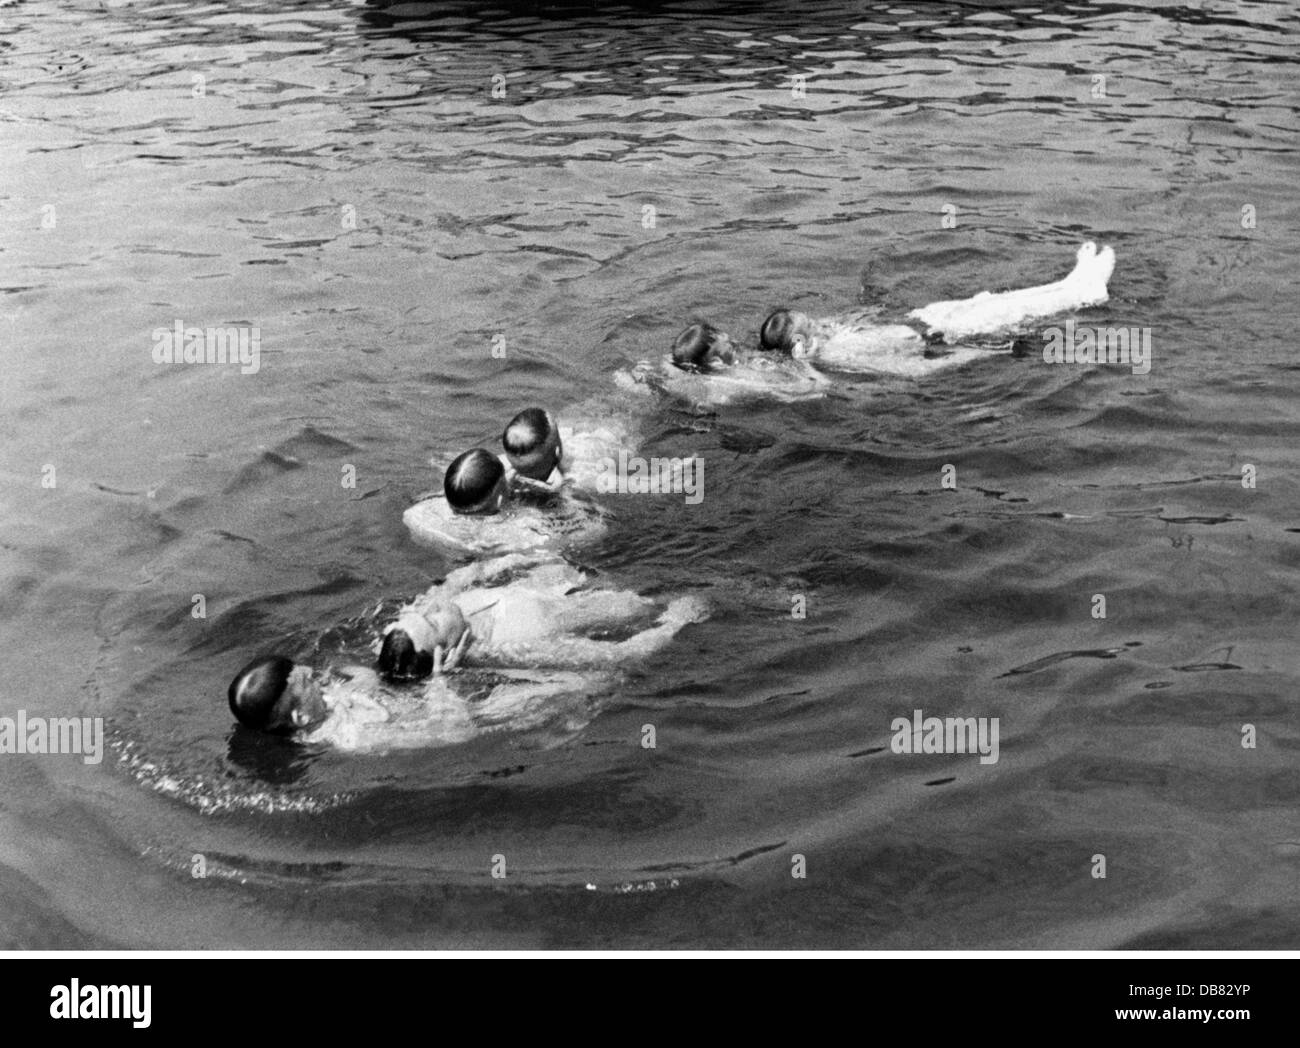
(267, 758)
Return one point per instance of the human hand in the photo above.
(446, 659)
(539, 487)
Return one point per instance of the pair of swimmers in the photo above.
(527, 609)
(535, 494)
(479, 482)
(794, 347)
(522, 610)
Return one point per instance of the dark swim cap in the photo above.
(691, 347)
(527, 432)
(256, 689)
(532, 441)
(471, 478)
(400, 659)
(777, 331)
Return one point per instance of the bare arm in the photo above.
(541, 487)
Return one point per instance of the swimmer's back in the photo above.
(760, 376)
(509, 623)
(888, 349)
(365, 717)
(518, 528)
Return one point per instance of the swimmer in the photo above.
(547, 454)
(476, 483)
(479, 483)
(704, 367)
(417, 645)
(702, 347)
(533, 447)
(275, 695)
(480, 509)
(487, 507)
(855, 342)
(531, 611)
(350, 709)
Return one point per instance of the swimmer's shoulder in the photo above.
(351, 696)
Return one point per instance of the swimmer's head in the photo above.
(400, 658)
(272, 694)
(788, 332)
(532, 443)
(702, 347)
(476, 482)
(409, 643)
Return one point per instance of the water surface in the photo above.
(342, 176)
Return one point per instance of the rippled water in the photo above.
(342, 176)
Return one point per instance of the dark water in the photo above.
(478, 216)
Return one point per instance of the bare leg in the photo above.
(988, 313)
(529, 701)
(579, 651)
(581, 611)
(484, 571)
